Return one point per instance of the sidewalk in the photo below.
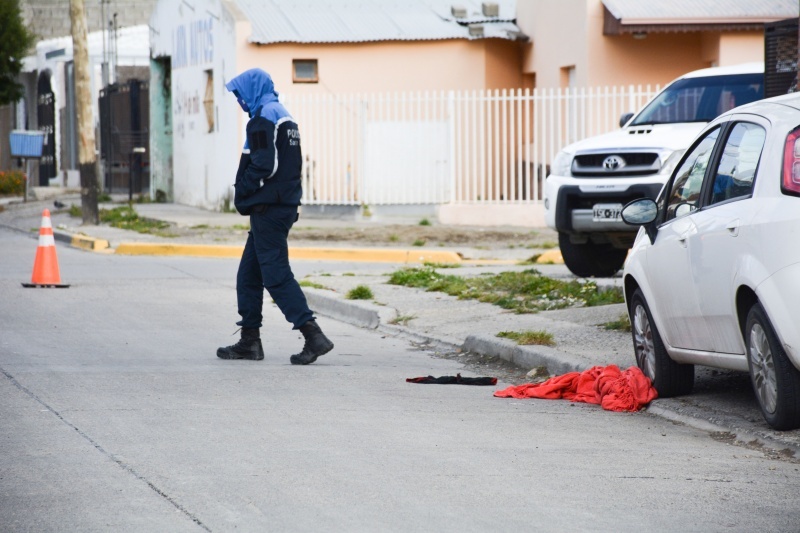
(465, 327)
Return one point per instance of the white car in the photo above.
(592, 179)
(714, 274)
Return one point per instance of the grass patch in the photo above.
(348, 274)
(529, 337)
(418, 242)
(125, 217)
(361, 292)
(393, 237)
(623, 323)
(245, 227)
(200, 226)
(547, 245)
(431, 264)
(424, 222)
(307, 283)
(522, 292)
(402, 320)
(531, 260)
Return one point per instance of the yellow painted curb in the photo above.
(89, 243)
(551, 257)
(373, 255)
(198, 250)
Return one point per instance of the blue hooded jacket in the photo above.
(271, 163)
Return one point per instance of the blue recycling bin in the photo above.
(27, 144)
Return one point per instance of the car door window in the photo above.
(733, 177)
(684, 193)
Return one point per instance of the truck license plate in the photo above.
(606, 212)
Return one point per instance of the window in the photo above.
(685, 189)
(304, 71)
(737, 167)
(701, 99)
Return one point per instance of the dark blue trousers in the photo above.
(265, 264)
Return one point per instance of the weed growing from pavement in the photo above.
(402, 319)
(307, 283)
(522, 292)
(431, 264)
(424, 222)
(532, 260)
(623, 323)
(361, 292)
(244, 227)
(418, 242)
(529, 337)
(126, 217)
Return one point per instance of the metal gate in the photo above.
(124, 134)
(780, 57)
(46, 113)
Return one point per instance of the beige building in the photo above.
(593, 43)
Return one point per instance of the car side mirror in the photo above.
(624, 119)
(642, 212)
(683, 208)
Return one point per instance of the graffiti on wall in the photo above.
(193, 44)
(186, 107)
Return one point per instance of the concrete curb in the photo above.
(524, 356)
(676, 411)
(358, 313)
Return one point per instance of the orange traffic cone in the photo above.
(45, 266)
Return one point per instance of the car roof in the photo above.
(743, 68)
(763, 107)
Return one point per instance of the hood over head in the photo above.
(254, 87)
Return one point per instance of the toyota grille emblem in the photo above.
(613, 162)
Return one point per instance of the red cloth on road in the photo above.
(610, 387)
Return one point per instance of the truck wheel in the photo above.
(590, 259)
(669, 378)
(776, 381)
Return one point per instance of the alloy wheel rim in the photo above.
(643, 342)
(765, 379)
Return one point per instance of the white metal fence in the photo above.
(446, 147)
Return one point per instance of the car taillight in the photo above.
(791, 164)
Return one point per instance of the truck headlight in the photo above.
(671, 162)
(562, 164)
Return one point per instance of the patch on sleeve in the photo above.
(258, 140)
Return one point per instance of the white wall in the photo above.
(200, 40)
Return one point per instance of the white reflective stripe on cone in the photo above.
(47, 240)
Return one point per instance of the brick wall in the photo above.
(50, 18)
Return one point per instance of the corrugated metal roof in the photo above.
(333, 21)
(707, 11)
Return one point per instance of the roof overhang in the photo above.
(670, 16)
(615, 26)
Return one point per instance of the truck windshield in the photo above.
(701, 99)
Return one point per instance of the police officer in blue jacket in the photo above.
(268, 189)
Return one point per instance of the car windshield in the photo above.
(701, 99)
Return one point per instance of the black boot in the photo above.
(316, 344)
(248, 347)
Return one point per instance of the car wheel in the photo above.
(776, 381)
(591, 259)
(669, 378)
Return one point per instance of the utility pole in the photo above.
(87, 158)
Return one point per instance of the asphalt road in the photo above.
(117, 416)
